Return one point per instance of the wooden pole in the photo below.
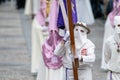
(72, 42)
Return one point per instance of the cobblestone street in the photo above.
(15, 45)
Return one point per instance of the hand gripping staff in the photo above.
(75, 62)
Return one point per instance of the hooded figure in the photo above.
(53, 68)
(84, 50)
(109, 27)
(112, 52)
(40, 33)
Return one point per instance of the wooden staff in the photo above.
(75, 62)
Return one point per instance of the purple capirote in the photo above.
(60, 21)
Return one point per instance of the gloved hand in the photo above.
(44, 28)
(80, 58)
(66, 36)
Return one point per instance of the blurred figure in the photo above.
(96, 8)
(2, 1)
(32, 7)
(109, 7)
(39, 35)
(84, 11)
(28, 8)
(109, 27)
(50, 66)
(20, 4)
(112, 52)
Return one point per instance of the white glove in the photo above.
(80, 57)
(44, 28)
(66, 36)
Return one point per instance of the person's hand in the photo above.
(80, 58)
(84, 52)
(66, 36)
(44, 28)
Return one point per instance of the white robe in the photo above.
(49, 74)
(38, 37)
(113, 76)
(85, 66)
(28, 8)
(108, 31)
(32, 7)
(84, 11)
(43, 73)
(112, 59)
(36, 6)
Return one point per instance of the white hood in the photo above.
(80, 35)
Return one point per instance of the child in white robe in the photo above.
(84, 50)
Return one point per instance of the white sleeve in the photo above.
(90, 57)
(60, 49)
(107, 53)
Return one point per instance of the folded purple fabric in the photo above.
(60, 21)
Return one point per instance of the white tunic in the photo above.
(38, 37)
(113, 76)
(28, 8)
(84, 11)
(85, 66)
(49, 74)
(108, 31)
(112, 57)
(36, 6)
(32, 7)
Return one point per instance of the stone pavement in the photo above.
(96, 35)
(15, 45)
(14, 54)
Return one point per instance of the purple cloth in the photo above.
(53, 15)
(40, 18)
(117, 0)
(51, 61)
(115, 11)
(60, 21)
(110, 75)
